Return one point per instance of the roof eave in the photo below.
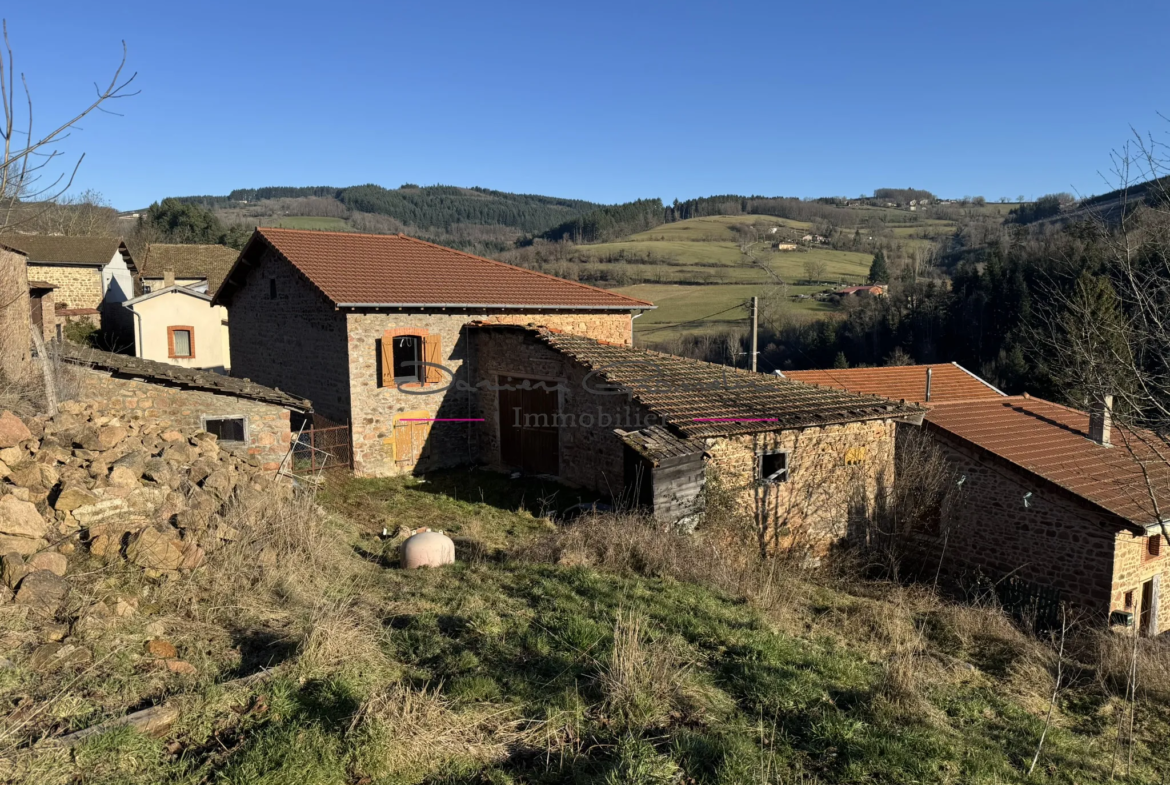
(505, 306)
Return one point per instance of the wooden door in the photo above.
(1148, 624)
(529, 428)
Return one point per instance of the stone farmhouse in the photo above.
(91, 276)
(372, 329)
(802, 461)
(1050, 495)
(249, 419)
(198, 267)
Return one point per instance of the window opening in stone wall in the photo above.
(1153, 547)
(772, 466)
(271, 288)
(1129, 601)
(407, 355)
(227, 429)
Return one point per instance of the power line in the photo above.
(692, 321)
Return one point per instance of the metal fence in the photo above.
(1032, 604)
(319, 449)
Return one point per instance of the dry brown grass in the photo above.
(642, 680)
(407, 734)
(1112, 656)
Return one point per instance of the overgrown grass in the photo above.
(602, 651)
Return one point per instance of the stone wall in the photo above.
(1055, 540)
(268, 428)
(378, 409)
(833, 476)
(591, 455)
(296, 342)
(78, 286)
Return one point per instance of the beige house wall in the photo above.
(176, 309)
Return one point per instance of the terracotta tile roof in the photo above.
(188, 261)
(1051, 441)
(377, 269)
(64, 250)
(702, 399)
(165, 373)
(948, 382)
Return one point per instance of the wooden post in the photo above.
(755, 330)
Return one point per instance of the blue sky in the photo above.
(603, 101)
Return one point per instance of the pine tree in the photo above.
(839, 361)
(878, 273)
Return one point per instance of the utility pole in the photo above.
(755, 329)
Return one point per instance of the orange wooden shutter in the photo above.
(432, 353)
(387, 359)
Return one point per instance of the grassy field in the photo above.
(680, 304)
(600, 652)
(715, 228)
(314, 222)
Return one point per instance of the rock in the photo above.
(106, 546)
(179, 454)
(220, 483)
(145, 501)
(43, 656)
(135, 461)
(101, 438)
(21, 519)
(26, 475)
(55, 632)
(14, 568)
(103, 510)
(125, 607)
(42, 590)
(20, 493)
(163, 649)
(182, 667)
(155, 550)
(53, 656)
(12, 430)
(200, 469)
(72, 497)
(427, 549)
(193, 556)
(66, 548)
(123, 477)
(193, 520)
(12, 455)
(25, 546)
(171, 436)
(48, 560)
(159, 471)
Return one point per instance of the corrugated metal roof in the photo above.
(396, 270)
(702, 399)
(1052, 442)
(949, 382)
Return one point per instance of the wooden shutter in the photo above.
(432, 353)
(387, 359)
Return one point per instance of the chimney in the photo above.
(1101, 420)
(168, 278)
(928, 375)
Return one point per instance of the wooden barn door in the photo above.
(529, 436)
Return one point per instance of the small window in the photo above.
(1129, 601)
(226, 429)
(855, 456)
(146, 288)
(181, 342)
(773, 467)
(271, 288)
(407, 355)
(1153, 547)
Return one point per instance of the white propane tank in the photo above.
(427, 549)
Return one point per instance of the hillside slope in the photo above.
(601, 652)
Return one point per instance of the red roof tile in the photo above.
(377, 269)
(948, 382)
(1051, 441)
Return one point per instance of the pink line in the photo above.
(734, 419)
(440, 419)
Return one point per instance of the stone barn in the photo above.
(802, 461)
(372, 329)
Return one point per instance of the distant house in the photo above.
(875, 290)
(175, 321)
(785, 246)
(1056, 499)
(179, 325)
(91, 276)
